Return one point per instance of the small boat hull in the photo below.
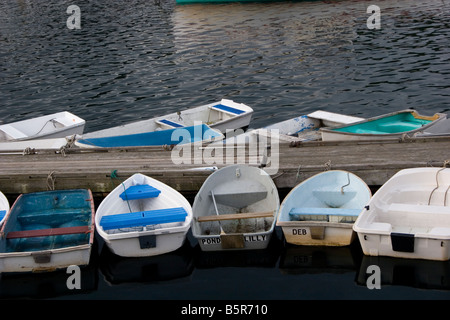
(235, 209)
(301, 128)
(46, 231)
(148, 238)
(388, 126)
(322, 209)
(57, 125)
(198, 133)
(408, 217)
(220, 116)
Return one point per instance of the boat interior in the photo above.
(48, 220)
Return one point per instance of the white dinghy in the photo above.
(143, 217)
(409, 216)
(322, 209)
(220, 116)
(301, 128)
(56, 125)
(235, 209)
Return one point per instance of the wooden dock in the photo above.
(102, 169)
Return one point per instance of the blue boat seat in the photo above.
(325, 211)
(142, 191)
(169, 123)
(2, 214)
(143, 218)
(227, 109)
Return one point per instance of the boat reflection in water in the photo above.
(319, 259)
(267, 257)
(45, 285)
(170, 266)
(415, 273)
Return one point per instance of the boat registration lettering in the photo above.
(299, 232)
(255, 238)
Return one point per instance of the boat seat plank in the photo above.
(169, 123)
(142, 191)
(234, 216)
(296, 211)
(143, 218)
(13, 132)
(396, 208)
(47, 232)
(227, 109)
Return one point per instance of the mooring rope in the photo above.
(51, 179)
(446, 162)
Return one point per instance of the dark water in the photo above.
(136, 59)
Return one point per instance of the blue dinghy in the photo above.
(49, 230)
(322, 209)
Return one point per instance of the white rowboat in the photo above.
(235, 209)
(57, 125)
(322, 209)
(220, 116)
(143, 217)
(409, 216)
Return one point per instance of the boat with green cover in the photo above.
(392, 125)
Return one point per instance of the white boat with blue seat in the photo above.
(409, 216)
(143, 217)
(220, 116)
(322, 209)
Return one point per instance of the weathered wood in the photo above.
(103, 169)
(47, 232)
(235, 216)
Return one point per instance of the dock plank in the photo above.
(374, 161)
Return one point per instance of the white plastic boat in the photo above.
(222, 115)
(301, 128)
(56, 125)
(409, 216)
(322, 209)
(235, 209)
(143, 217)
